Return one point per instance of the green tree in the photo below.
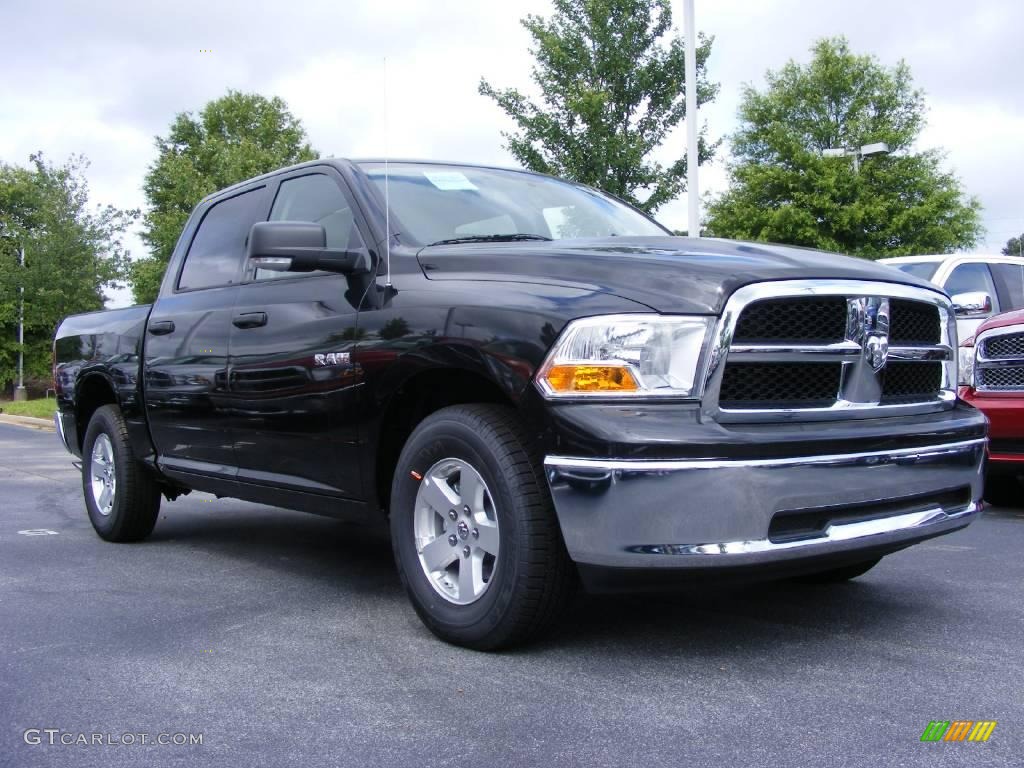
(233, 138)
(1013, 246)
(72, 254)
(612, 88)
(782, 188)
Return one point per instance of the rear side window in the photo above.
(319, 199)
(218, 248)
(1010, 279)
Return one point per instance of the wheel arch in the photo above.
(418, 396)
(93, 391)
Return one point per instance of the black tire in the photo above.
(533, 577)
(136, 501)
(838, 575)
(1003, 490)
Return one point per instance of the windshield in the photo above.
(922, 269)
(433, 203)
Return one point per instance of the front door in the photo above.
(292, 382)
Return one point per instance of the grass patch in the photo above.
(42, 408)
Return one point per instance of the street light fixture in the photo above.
(858, 154)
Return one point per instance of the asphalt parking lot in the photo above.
(285, 639)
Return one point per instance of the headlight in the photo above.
(626, 356)
(965, 366)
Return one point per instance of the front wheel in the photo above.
(474, 532)
(122, 498)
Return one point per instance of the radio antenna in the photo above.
(387, 198)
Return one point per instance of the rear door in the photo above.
(292, 381)
(186, 349)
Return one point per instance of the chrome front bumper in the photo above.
(704, 513)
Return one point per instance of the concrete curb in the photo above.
(46, 425)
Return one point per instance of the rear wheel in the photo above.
(837, 575)
(474, 531)
(121, 496)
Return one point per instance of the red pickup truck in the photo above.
(992, 379)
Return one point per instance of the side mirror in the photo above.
(972, 304)
(301, 246)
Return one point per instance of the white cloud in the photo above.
(984, 149)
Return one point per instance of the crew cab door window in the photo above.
(218, 248)
(973, 276)
(315, 198)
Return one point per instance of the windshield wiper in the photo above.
(490, 239)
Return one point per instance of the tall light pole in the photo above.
(20, 393)
(857, 153)
(692, 190)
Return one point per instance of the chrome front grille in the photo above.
(1004, 379)
(831, 349)
(808, 385)
(914, 382)
(914, 322)
(1005, 346)
(999, 366)
(805, 320)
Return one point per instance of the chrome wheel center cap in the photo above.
(463, 529)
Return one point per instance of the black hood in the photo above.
(668, 274)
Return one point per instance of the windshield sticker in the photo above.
(449, 180)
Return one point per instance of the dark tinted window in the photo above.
(1010, 278)
(319, 199)
(218, 248)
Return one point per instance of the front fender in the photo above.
(500, 331)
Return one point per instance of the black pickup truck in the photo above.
(533, 383)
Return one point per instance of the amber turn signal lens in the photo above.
(591, 378)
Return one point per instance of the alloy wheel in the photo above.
(456, 530)
(104, 475)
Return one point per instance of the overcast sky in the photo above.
(103, 78)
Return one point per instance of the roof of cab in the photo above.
(265, 176)
(337, 161)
